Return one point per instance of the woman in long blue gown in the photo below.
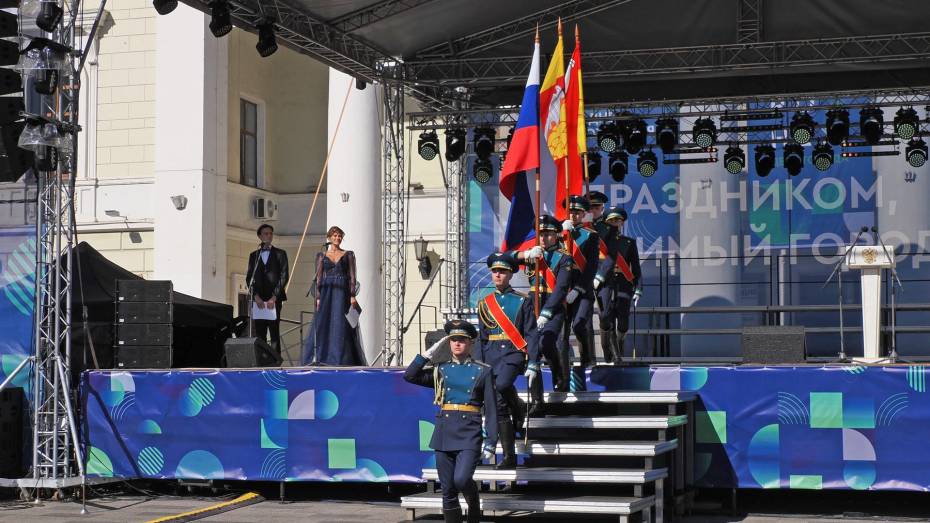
(332, 340)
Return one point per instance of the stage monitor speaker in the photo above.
(144, 290)
(774, 345)
(250, 352)
(143, 334)
(11, 433)
(144, 357)
(143, 312)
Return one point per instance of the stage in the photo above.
(781, 427)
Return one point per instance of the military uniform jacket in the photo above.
(519, 308)
(468, 383)
(585, 253)
(562, 268)
(627, 273)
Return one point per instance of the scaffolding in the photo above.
(393, 257)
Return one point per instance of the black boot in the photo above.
(517, 409)
(508, 444)
(618, 347)
(452, 515)
(565, 369)
(607, 344)
(474, 507)
(536, 395)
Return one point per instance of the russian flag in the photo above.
(523, 155)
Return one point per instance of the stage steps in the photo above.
(622, 507)
(541, 447)
(607, 422)
(563, 475)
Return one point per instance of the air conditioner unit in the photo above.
(264, 209)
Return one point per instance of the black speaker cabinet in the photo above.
(143, 312)
(143, 334)
(774, 345)
(250, 352)
(144, 357)
(11, 433)
(143, 290)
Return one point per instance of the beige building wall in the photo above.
(130, 250)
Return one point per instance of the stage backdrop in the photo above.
(17, 302)
(756, 427)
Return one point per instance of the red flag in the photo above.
(575, 125)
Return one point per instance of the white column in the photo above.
(353, 194)
(190, 155)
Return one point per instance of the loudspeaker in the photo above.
(142, 312)
(11, 433)
(143, 334)
(143, 357)
(143, 290)
(250, 352)
(773, 345)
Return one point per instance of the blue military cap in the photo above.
(549, 223)
(503, 260)
(461, 328)
(616, 212)
(597, 198)
(578, 203)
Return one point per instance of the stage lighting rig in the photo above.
(483, 141)
(455, 144)
(667, 134)
(428, 145)
(43, 61)
(765, 159)
(267, 42)
(793, 158)
(906, 123)
(594, 165)
(634, 135)
(608, 137)
(647, 164)
(871, 124)
(164, 7)
(734, 159)
(704, 132)
(802, 127)
(483, 170)
(220, 20)
(837, 126)
(618, 165)
(822, 157)
(916, 152)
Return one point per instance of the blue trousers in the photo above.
(507, 363)
(456, 468)
(580, 314)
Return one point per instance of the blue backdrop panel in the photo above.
(837, 427)
(17, 302)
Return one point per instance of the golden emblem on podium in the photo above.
(869, 255)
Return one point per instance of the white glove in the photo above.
(487, 453)
(568, 226)
(572, 295)
(635, 299)
(434, 350)
(531, 372)
(533, 254)
(597, 283)
(541, 322)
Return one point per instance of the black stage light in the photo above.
(455, 144)
(594, 165)
(871, 124)
(647, 164)
(483, 140)
(916, 152)
(667, 134)
(634, 136)
(428, 145)
(793, 158)
(608, 137)
(837, 126)
(705, 132)
(50, 15)
(267, 43)
(802, 127)
(618, 165)
(220, 21)
(483, 170)
(906, 123)
(822, 156)
(164, 7)
(734, 159)
(765, 159)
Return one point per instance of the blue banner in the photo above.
(17, 302)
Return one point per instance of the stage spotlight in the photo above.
(634, 136)
(765, 159)
(667, 134)
(608, 137)
(164, 7)
(594, 165)
(483, 140)
(705, 132)
(906, 123)
(734, 159)
(618, 165)
(871, 124)
(647, 164)
(220, 21)
(822, 156)
(916, 152)
(837, 126)
(793, 158)
(428, 145)
(802, 127)
(483, 170)
(267, 42)
(455, 144)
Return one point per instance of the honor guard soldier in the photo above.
(604, 278)
(506, 322)
(625, 283)
(555, 282)
(463, 386)
(583, 244)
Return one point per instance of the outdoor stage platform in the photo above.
(798, 427)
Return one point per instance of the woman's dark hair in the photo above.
(263, 227)
(333, 230)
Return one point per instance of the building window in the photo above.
(250, 161)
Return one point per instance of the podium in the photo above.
(871, 260)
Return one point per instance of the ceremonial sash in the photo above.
(547, 273)
(503, 321)
(601, 246)
(577, 255)
(624, 268)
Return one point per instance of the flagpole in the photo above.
(538, 198)
(584, 161)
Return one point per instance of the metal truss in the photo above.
(393, 254)
(455, 266)
(615, 65)
(749, 21)
(520, 28)
(373, 14)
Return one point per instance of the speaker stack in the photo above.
(11, 433)
(144, 312)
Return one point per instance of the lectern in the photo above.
(870, 260)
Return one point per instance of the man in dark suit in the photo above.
(268, 275)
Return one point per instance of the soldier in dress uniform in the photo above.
(604, 278)
(463, 387)
(506, 325)
(624, 284)
(555, 281)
